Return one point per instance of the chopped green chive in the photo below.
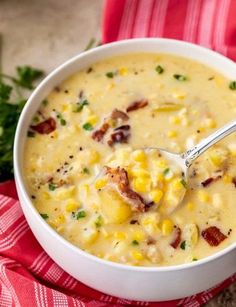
(86, 170)
(88, 127)
(159, 69)
(81, 214)
(98, 221)
(36, 119)
(62, 121)
(79, 107)
(110, 74)
(180, 77)
(184, 183)
(194, 259)
(44, 216)
(232, 85)
(52, 186)
(166, 171)
(30, 134)
(183, 245)
(135, 242)
(45, 102)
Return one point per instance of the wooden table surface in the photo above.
(45, 33)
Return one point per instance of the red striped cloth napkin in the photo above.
(28, 277)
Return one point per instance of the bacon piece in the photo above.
(177, 238)
(45, 127)
(119, 177)
(137, 105)
(234, 181)
(118, 137)
(98, 134)
(124, 127)
(116, 114)
(213, 235)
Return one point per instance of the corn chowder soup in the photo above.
(91, 180)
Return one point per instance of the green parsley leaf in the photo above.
(87, 126)
(81, 214)
(26, 75)
(183, 245)
(52, 186)
(159, 69)
(166, 171)
(110, 74)
(232, 85)
(5, 92)
(45, 102)
(98, 221)
(184, 183)
(180, 77)
(194, 259)
(30, 134)
(62, 121)
(86, 170)
(44, 216)
(135, 242)
(79, 107)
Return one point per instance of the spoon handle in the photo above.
(190, 155)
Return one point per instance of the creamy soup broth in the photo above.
(91, 181)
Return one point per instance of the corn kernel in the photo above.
(215, 159)
(65, 107)
(210, 123)
(60, 219)
(46, 195)
(227, 178)
(142, 184)
(139, 156)
(160, 178)
(139, 172)
(94, 156)
(138, 235)
(137, 255)
(203, 196)
(232, 149)
(160, 163)
(174, 120)
(100, 183)
(72, 205)
(172, 134)
(123, 71)
(156, 195)
(177, 185)
(92, 120)
(179, 95)
(190, 206)
(120, 235)
(167, 227)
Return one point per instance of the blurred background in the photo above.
(45, 33)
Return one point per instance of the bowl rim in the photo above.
(21, 186)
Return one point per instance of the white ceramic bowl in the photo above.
(137, 283)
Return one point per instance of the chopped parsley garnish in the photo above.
(86, 170)
(87, 126)
(183, 245)
(62, 121)
(110, 74)
(184, 183)
(44, 216)
(135, 242)
(166, 171)
(30, 134)
(45, 102)
(79, 106)
(159, 69)
(12, 102)
(52, 186)
(98, 221)
(194, 259)
(36, 119)
(232, 85)
(81, 214)
(180, 77)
